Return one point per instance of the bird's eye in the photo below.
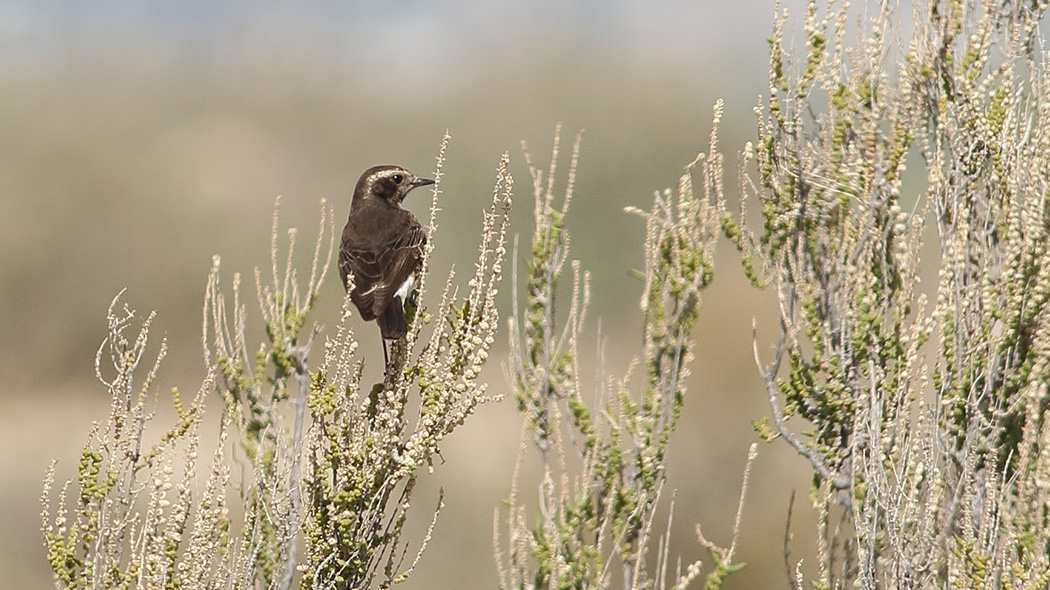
(397, 178)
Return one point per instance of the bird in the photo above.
(382, 247)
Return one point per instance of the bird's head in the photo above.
(388, 183)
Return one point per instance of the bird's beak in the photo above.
(422, 182)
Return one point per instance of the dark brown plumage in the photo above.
(382, 246)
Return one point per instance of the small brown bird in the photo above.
(382, 246)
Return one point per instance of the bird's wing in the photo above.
(379, 272)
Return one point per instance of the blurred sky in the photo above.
(137, 139)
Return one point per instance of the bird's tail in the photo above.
(392, 322)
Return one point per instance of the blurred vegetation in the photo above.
(917, 412)
(131, 157)
(184, 155)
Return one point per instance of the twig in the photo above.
(838, 481)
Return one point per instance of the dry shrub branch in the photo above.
(329, 463)
(920, 407)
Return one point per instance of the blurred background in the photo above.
(138, 139)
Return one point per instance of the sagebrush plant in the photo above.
(603, 446)
(329, 462)
(925, 406)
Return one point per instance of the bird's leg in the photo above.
(386, 356)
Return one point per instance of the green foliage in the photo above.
(327, 462)
(915, 411)
(364, 449)
(131, 508)
(601, 514)
(908, 371)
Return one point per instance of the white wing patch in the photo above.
(406, 287)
